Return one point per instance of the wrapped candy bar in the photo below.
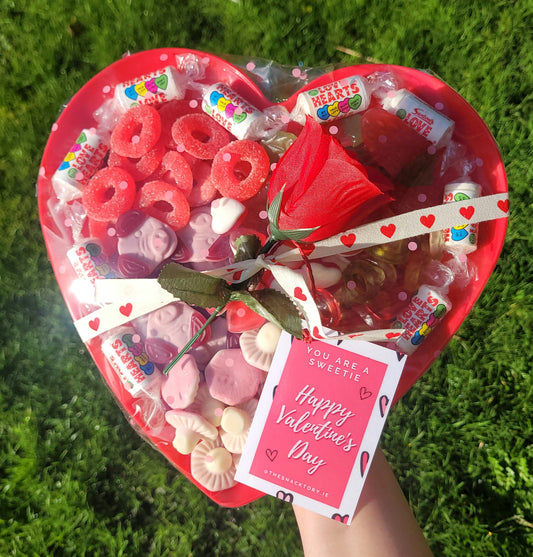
(421, 117)
(208, 221)
(461, 239)
(156, 87)
(81, 162)
(239, 117)
(337, 99)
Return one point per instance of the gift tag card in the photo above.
(318, 423)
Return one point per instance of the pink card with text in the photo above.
(318, 423)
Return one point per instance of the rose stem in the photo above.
(193, 339)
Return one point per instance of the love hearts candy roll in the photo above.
(337, 99)
(238, 116)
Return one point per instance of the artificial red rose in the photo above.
(322, 186)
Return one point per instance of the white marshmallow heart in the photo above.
(225, 213)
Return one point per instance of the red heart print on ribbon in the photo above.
(427, 220)
(348, 240)
(388, 230)
(392, 335)
(503, 204)
(299, 295)
(94, 323)
(126, 309)
(467, 212)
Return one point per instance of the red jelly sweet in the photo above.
(136, 132)
(139, 168)
(240, 169)
(110, 192)
(199, 135)
(164, 202)
(176, 170)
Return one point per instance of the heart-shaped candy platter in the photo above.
(82, 244)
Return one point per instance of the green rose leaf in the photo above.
(273, 217)
(193, 287)
(273, 306)
(247, 247)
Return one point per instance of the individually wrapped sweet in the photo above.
(337, 99)
(421, 117)
(154, 88)
(125, 351)
(461, 239)
(424, 312)
(239, 116)
(79, 164)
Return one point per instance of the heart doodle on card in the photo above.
(271, 454)
(383, 403)
(364, 393)
(363, 462)
(124, 254)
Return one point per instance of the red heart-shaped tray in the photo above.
(469, 130)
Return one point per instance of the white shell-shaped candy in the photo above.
(235, 425)
(212, 466)
(190, 429)
(208, 407)
(258, 346)
(225, 213)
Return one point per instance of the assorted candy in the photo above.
(183, 175)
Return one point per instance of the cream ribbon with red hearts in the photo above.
(140, 296)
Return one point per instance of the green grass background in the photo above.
(75, 479)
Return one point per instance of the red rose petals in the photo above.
(110, 192)
(200, 135)
(240, 169)
(136, 132)
(164, 202)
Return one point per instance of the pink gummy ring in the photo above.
(109, 193)
(199, 135)
(176, 169)
(142, 167)
(240, 169)
(164, 202)
(136, 132)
